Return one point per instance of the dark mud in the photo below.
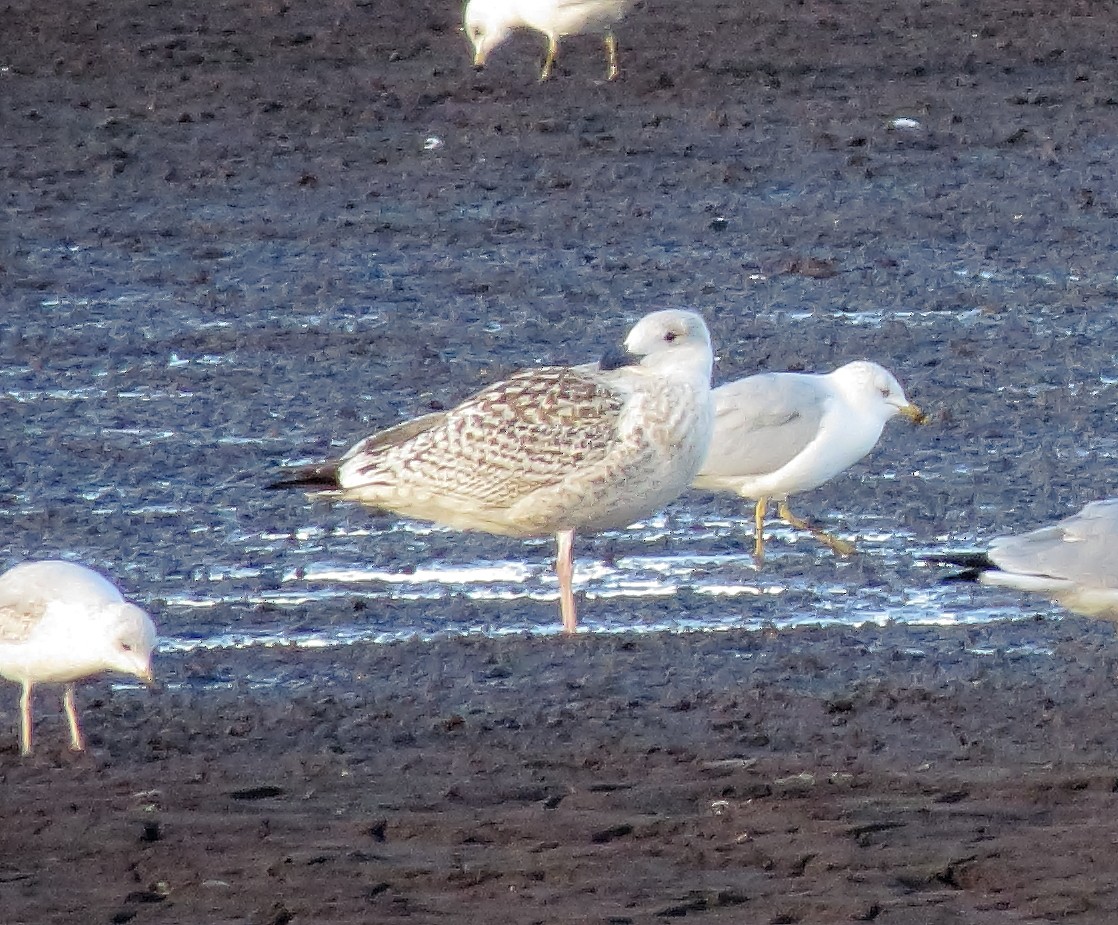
(235, 233)
(926, 776)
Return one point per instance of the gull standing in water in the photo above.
(61, 622)
(778, 434)
(552, 450)
(1073, 562)
(488, 23)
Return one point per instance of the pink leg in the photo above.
(759, 530)
(25, 719)
(76, 742)
(564, 568)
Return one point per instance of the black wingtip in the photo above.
(969, 575)
(321, 476)
(978, 560)
(973, 564)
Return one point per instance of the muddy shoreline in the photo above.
(241, 233)
(815, 775)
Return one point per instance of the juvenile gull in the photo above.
(551, 450)
(778, 434)
(61, 622)
(489, 22)
(1073, 562)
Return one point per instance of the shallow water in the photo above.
(145, 443)
(721, 580)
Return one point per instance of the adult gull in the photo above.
(779, 434)
(1073, 562)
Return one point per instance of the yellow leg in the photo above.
(564, 568)
(759, 530)
(25, 719)
(842, 547)
(549, 61)
(76, 742)
(611, 56)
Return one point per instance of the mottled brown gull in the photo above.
(488, 23)
(551, 450)
(778, 434)
(1073, 562)
(61, 622)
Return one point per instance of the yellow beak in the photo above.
(914, 414)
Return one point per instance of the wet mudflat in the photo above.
(934, 775)
(238, 233)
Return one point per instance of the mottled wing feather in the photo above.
(1082, 548)
(763, 422)
(497, 447)
(394, 436)
(17, 621)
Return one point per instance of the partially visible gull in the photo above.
(1073, 562)
(489, 22)
(551, 450)
(61, 622)
(779, 434)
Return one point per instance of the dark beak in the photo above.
(616, 358)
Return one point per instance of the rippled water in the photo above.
(720, 580)
(147, 428)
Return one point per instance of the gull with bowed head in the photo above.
(488, 23)
(61, 622)
(779, 434)
(1073, 562)
(553, 450)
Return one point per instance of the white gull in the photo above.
(1073, 562)
(488, 23)
(779, 434)
(61, 622)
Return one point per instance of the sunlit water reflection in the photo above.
(722, 591)
(129, 457)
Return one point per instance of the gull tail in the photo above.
(973, 564)
(320, 476)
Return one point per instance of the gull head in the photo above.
(875, 390)
(128, 641)
(487, 23)
(668, 340)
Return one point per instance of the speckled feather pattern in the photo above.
(551, 418)
(544, 450)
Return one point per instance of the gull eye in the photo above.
(126, 646)
(671, 336)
